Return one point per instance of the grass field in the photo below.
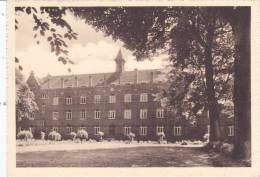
(120, 156)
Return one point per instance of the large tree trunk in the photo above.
(210, 90)
(242, 94)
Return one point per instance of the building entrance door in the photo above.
(112, 130)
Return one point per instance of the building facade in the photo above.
(115, 103)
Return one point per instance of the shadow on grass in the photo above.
(124, 157)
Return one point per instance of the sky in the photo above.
(91, 53)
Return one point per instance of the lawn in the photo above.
(119, 155)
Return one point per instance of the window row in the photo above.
(111, 114)
(143, 130)
(97, 99)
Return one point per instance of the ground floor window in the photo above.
(96, 130)
(55, 129)
(159, 129)
(177, 131)
(127, 130)
(69, 129)
(231, 130)
(82, 128)
(143, 131)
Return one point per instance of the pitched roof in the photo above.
(126, 77)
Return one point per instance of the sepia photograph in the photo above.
(132, 86)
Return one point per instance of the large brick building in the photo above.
(115, 103)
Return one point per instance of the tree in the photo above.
(25, 100)
(187, 34)
(50, 24)
(239, 18)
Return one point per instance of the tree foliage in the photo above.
(25, 99)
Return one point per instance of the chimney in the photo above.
(151, 77)
(136, 76)
(90, 81)
(62, 82)
(76, 81)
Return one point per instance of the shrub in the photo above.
(100, 135)
(54, 136)
(131, 136)
(82, 134)
(161, 136)
(72, 135)
(42, 135)
(25, 135)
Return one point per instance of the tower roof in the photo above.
(119, 56)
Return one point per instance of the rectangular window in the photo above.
(44, 96)
(83, 114)
(55, 115)
(97, 99)
(112, 114)
(159, 113)
(82, 128)
(31, 116)
(143, 114)
(112, 99)
(83, 100)
(96, 130)
(68, 115)
(127, 114)
(159, 129)
(55, 101)
(56, 129)
(143, 97)
(43, 107)
(127, 130)
(177, 131)
(68, 100)
(69, 129)
(231, 130)
(143, 131)
(97, 114)
(127, 98)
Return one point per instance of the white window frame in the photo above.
(31, 116)
(143, 113)
(55, 100)
(143, 97)
(143, 130)
(55, 129)
(127, 114)
(55, 115)
(97, 114)
(83, 115)
(96, 130)
(127, 98)
(111, 114)
(112, 99)
(97, 99)
(69, 129)
(177, 130)
(160, 113)
(69, 100)
(231, 130)
(83, 100)
(159, 129)
(82, 128)
(68, 115)
(127, 130)
(44, 96)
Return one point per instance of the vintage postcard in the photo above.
(133, 88)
